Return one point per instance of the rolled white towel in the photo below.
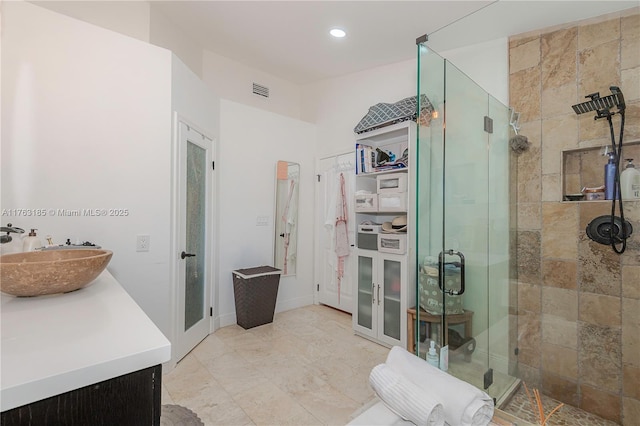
(464, 404)
(404, 398)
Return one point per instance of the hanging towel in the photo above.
(342, 233)
(464, 404)
(404, 398)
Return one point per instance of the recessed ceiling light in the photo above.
(337, 32)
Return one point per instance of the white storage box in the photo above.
(392, 243)
(392, 202)
(392, 182)
(370, 229)
(368, 236)
(366, 202)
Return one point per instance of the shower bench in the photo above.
(466, 319)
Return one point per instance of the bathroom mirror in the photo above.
(286, 216)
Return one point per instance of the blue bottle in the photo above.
(610, 192)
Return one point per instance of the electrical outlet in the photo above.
(142, 243)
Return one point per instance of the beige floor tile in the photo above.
(266, 404)
(329, 405)
(305, 368)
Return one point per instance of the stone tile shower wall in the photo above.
(578, 301)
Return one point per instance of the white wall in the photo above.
(86, 117)
(252, 141)
(338, 104)
(139, 19)
(234, 81)
(164, 33)
(487, 64)
(125, 17)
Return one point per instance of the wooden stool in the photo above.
(466, 318)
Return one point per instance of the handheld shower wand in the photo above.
(609, 230)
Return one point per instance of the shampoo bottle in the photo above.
(610, 178)
(31, 242)
(432, 356)
(630, 182)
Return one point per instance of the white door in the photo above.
(194, 252)
(333, 290)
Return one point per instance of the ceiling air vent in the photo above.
(261, 90)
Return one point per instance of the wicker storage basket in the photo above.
(255, 291)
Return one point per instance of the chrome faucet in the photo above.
(9, 229)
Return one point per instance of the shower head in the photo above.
(602, 106)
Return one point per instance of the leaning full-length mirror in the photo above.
(286, 217)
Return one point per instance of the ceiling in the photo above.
(289, 39)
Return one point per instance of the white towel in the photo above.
(464, 404)
(405, 398)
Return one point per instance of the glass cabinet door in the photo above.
(365, 292)
(391, 284)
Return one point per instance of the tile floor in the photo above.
(306, 368)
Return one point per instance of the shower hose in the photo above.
(617, 150)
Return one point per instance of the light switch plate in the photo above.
(142, 243)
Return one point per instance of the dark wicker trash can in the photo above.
(255, 291)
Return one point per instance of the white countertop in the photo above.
(57, 343)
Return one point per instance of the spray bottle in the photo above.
(610, 192)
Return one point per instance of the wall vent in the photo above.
(261, 90)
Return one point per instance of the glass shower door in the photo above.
(463, 225)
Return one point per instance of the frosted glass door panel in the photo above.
(365, 291)
(392, 284)
(195, 221)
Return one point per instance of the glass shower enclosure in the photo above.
(465, 227)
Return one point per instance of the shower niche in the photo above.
(584, 168)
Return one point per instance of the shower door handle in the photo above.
(441, 264)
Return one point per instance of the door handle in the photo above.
(378, 294)
(441, 264)
(373, 293)
(183, 255)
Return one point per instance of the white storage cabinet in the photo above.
(386, 280)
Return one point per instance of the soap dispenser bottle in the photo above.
(432, 356)
(31, 242)
(610, 169)
(630, 181)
